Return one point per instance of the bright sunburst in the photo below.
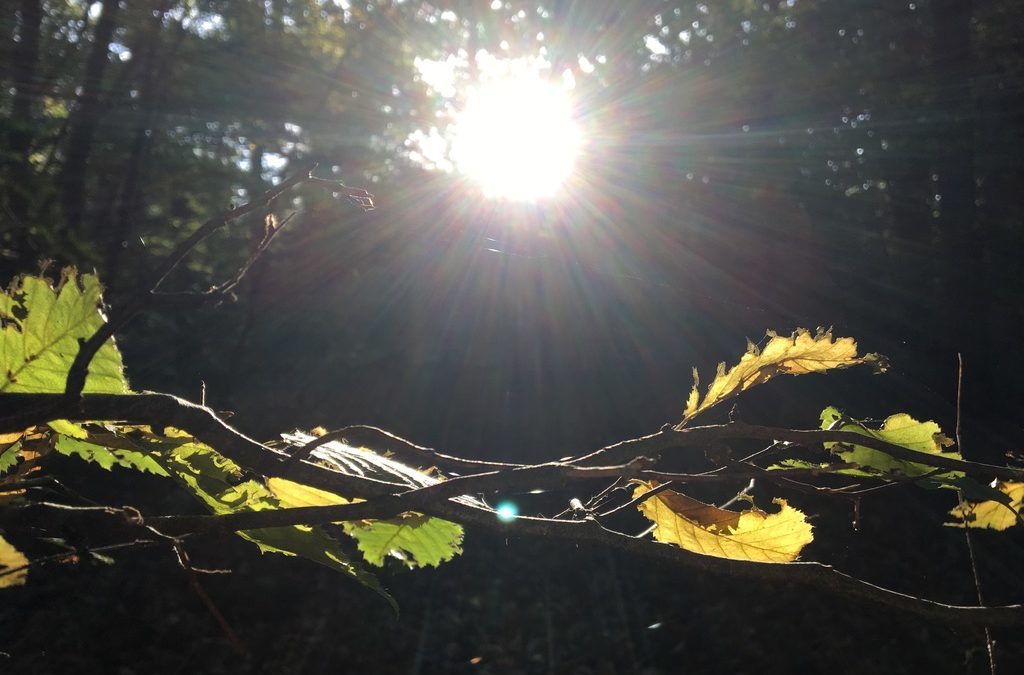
(516, 138)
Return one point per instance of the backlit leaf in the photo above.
(294, 495)
(10, 439)
(748, 535)
(366, 463)
(899, 429)
(880, 465)
(797, 354)
(40, 326)
(353, 461)
(414, 539)
(108, 457)
(222, 486)
(67, 428)
(9, 457)
(992, 514)
(13, 565)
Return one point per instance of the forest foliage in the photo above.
(747, 165)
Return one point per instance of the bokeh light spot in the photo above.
(507, 511)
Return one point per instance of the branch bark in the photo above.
(446, 499)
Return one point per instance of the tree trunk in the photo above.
(25, 62)
(153, 72)
(86, 116)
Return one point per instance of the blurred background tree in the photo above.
(745, 165)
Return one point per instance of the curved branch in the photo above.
(387, 500)
(432, 501)
(150, 297)
(655, 444)
(25, 410)
(365, 435)
(164, 410)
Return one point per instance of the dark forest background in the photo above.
(748, 166)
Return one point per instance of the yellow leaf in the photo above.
(8, 439)
(748, 535)
(797, 354)
(293, 495)
(995, 515)
(13, 565)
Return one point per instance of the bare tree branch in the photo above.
(657, 443)
(153, 297)
(818, 575)
(386, 500)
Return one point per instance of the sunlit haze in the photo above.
(505, 124)
(516, 138)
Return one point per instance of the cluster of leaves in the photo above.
(41, 326)
(779, 537)
(39, 334)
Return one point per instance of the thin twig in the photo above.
(152, 296)
(590, 531)
(193, 582)
(441, 499)
(657, 443)
(637, 501)
(365, 435)
(77, 553)
(990, 645)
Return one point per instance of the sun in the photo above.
(516, 138)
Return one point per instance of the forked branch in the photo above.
(636, 458)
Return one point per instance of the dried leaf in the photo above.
(751, 535)
(13, 565)
(992, 514)
(11, 438)
(797, 354)
(353, 461)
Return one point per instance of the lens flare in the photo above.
(507, 511)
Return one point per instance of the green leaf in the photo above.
(40, 327)
(415, 539)
(108, 457)
(899, 429)
(955, 480)
(67, 428)
(799, 464)
(222, 486)
(9, 457)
